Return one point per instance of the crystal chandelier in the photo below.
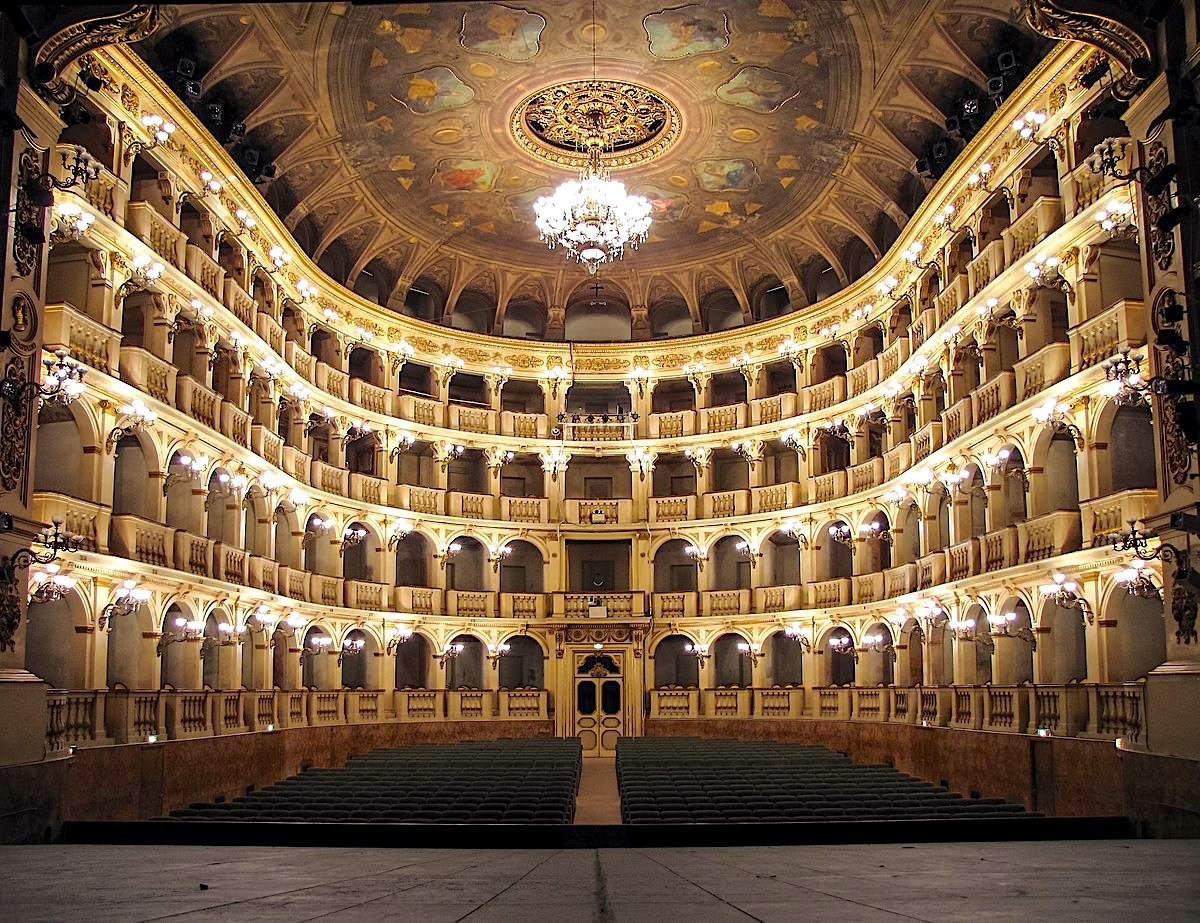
(593, 218)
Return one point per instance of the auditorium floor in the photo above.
(1094, 880)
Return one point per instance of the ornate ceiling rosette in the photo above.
(634, 124)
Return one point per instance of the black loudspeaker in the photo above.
(1006, 61)
(186, 67)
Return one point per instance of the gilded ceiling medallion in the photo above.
(636, 124)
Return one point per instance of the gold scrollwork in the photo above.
(1100, 26)
(636, 123)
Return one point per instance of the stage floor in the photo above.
(1060, 880)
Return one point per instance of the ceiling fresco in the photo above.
(772, 136)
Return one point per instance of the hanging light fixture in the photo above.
(593, 218)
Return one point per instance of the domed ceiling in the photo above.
(776, 139)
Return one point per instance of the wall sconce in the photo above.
(1028, 126)
(307, 290)
(1117, 218)
(144, 272)
(54, 540)
(193, 468)
(447, 452)
(700, 651)
(876, 530)
(278, 257)
(979, 178)
(449, 652)
(830, 330)
(50, 584)
(930, 615)
(498, 378)
(356, 430)
(498, 554)
(697, 375)
(801, 635)
(838, 429)
(1135, 540)
(62, 382)
(912, 253)
(315, 646)
(745, 364)
(351, 647)
(1137, 581)
(794, 530)
(1002, 624)
(445, 552)
(127, 599)
(963, 629)
(639, 378)
(699, 457)
(996, 461)
(753, 651)
(399, 534)
(554, 461)
(1123, 374)
(698, 554)
(71, 222)
(294, 620)
(748, 449)
(259, 617)
(224, 486)
(496, 651)
(554, 377)
(1053, 414)
(641, 462)
(354, 535)
(79, 169)
(399, 635)
(497, 458)
(944, 214)
(792, 439)
(319, 421)
(401, 351)
(842, 534)
(160, 131)
(404, 443)
(887, 285)
(896, 497)
(789, 349)
(743, 548)
(1065, 594)
(1111, 151)
(879, 644)
(189, 630)
(316, 526)
(844, 646)
(245, 220)
(1045, 271)
(297, 497)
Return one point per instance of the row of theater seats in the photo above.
(684, 780)
(528, 781)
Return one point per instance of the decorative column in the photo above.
(23, 298)
(701, 458)
(554, 464)
(556, 322)
(641, 466)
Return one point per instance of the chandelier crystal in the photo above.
(593, 219)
